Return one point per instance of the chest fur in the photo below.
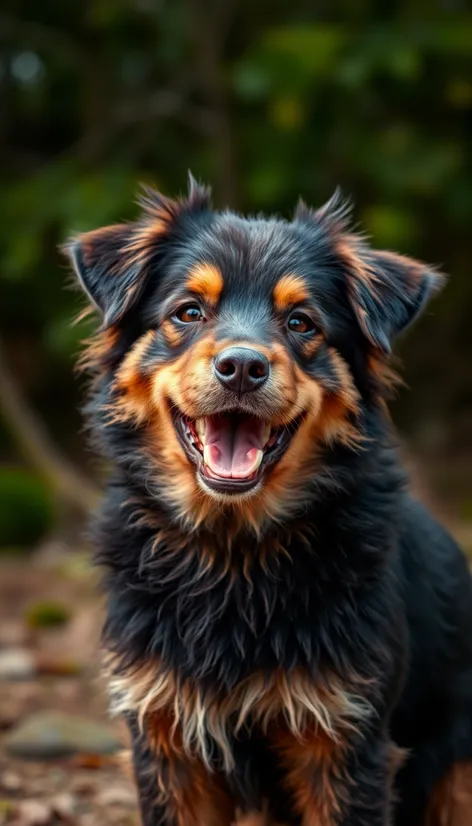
(204, 721)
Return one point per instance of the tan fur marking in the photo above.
(96, 351)
(345, 400)
(329, 707)
(347, 247)
(171, 333)
(289, 290)
(261, 818)
(144, 238)
(190, 794)
(206, 800)
(384, 374)
(134, 384)
(207, 281)
(451, 801)
(311, 346)
(314, 775)
(146, 234)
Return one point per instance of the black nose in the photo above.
(241, 369)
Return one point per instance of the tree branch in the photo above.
(37, 447)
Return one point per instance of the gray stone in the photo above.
(33, 813)
(49, 734)
(117, 796)
(16, 664)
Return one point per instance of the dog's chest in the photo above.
(222, 624)
(206, 721)
(228, 654)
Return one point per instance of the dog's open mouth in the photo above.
(232, 451)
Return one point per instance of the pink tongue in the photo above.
(232, 444)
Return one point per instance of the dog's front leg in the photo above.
(146, 773)
(173, 789)
(337, 782)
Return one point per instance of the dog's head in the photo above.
(235, 351)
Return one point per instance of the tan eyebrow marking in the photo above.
(289, 290)
(206, 280)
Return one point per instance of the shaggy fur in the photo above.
(294, 642)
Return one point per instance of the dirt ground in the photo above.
(60, 665)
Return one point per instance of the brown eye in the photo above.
(189, 314)
(301, 323)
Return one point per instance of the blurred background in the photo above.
(266, 101)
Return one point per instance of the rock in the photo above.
(16, 664)
(49, 734)
(50, 553)
(10, 781)
(63, 805)
(33, 813)
(117, 796)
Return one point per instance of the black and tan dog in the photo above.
(284, 621)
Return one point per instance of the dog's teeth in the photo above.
(266, 434)
(200, 427)
(249, 471)
(256, 462)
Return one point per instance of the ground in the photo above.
(56, 668)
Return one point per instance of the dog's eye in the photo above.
(189, 314)
(300, 323)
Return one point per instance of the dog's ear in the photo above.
(113, 263)
(106, 271)
(386, 291)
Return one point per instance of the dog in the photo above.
(288, 632)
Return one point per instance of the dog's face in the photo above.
(241, 349)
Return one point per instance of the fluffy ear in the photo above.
(112, 264)
(110, 276)
(387, 292)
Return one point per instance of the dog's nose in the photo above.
(241, 369)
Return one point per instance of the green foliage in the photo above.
(26, 509)
(7, 808)
(46, 614)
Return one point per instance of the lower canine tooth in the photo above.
(258, 454)
(266, 434)
(200, 427)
